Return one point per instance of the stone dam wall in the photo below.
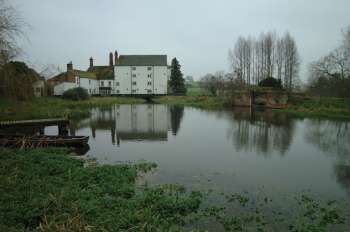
(269, 99)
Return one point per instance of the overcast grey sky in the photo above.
(198, 33)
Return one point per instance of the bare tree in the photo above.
(240, 59)
(292, 61)
(11, 28)
(214, 83)
(268, 48)
(330, 76)
(280, 59)
(50, 70)
(254, 60)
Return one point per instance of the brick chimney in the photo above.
(70, 66)
(115, 57)
(110, 59)
(91, 62)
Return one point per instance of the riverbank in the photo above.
(194, 101)
(51, 107)
(318, 107)
(49, 190)
(298, 106)
(56, 107)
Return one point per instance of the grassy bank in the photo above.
(48, 190)
(51, 107)
(56, 107)
(319, 107)
(194, 101)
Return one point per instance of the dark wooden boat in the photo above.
(42, 140)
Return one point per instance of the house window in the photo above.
(149, 68)
(102, 83)
(134, 91)
(149, 91)
(149, 75)
(109, 83)
(134, 83)
(149, 83)
(117, 83)
(118, 91)
(89, 82)
(38, 90)
(133, 68)
(133, 75)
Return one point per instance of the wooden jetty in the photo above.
(37, 122)
(30, 134)
(43, 140)
(62, 124)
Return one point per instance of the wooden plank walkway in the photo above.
(38, 122)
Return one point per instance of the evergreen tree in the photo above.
(176, 115)
(177, 82)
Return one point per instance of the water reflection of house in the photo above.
(129, 122)
(145, 122)
(141, 122)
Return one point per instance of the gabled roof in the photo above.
(84, 74)
(69, 76)
(103, 72)
(142, 60)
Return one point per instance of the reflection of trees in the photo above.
(329, 136)
(342, 173)
(333, 137)
(263, 131)
(176, 115)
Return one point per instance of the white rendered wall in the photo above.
(108, 83)
(151, 80)
(90, 85)
(123, 77)
(160, 80)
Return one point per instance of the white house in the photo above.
(104, 75)
(73, 78)
(125, 75)
(141, 75)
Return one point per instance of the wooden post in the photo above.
(42, 131)
(62, 129)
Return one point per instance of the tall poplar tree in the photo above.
(177, 82)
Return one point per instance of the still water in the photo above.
(227, 151)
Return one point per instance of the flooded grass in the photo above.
(48, 190)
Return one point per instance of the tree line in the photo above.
(16, 78)
(255, 59)
(330, 75)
